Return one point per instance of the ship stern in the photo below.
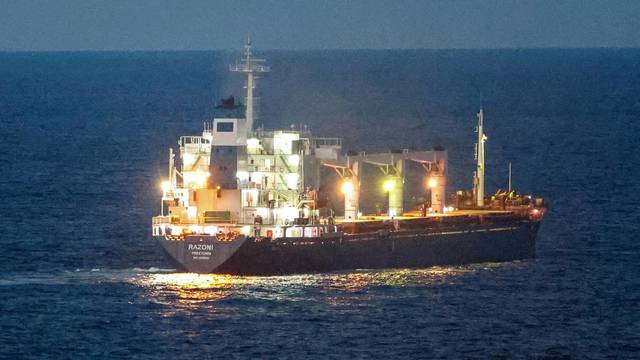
(200, 253)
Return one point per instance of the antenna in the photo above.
(509, 176)
(172, 175)
(250, 66)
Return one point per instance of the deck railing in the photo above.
(157, 220)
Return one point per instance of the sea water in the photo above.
(83, 144)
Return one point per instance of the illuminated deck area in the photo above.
(417, 215)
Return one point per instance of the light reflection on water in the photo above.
(348, 281)
(186, 291)
(190, 280)
(338, 291)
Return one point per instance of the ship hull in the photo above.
(401, 249)
(201, 253)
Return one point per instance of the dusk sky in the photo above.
(194, 25)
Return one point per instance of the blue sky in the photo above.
(194, 24)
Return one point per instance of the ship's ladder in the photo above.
(284, 162)
(282, 195)
(194, 166)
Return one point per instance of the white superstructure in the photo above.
(233, 176)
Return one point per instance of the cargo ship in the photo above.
(243, 200)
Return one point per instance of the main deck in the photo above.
(455, 220)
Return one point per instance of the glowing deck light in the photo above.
(246, 230)
(211, 230)
(291, 180)
(347, 187)
(242, 175)
(188, 158)
(294, 159)
(253, 142)
(166, 186)
(195, 178)
(289, 213)
(389, 185)
(262, 211)
(432, 182)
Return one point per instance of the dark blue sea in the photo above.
(83, 146)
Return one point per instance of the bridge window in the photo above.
(224, 127)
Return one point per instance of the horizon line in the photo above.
(322, 49)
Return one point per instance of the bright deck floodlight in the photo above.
(432, 182)
(347, 187)
(166, 186)
(389, 184)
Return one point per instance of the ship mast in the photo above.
(509, 176)
(479, 174)
(250, 66)
(172, 169)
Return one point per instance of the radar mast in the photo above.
(252, 67)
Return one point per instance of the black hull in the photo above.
(402, 249)
(200, 254)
